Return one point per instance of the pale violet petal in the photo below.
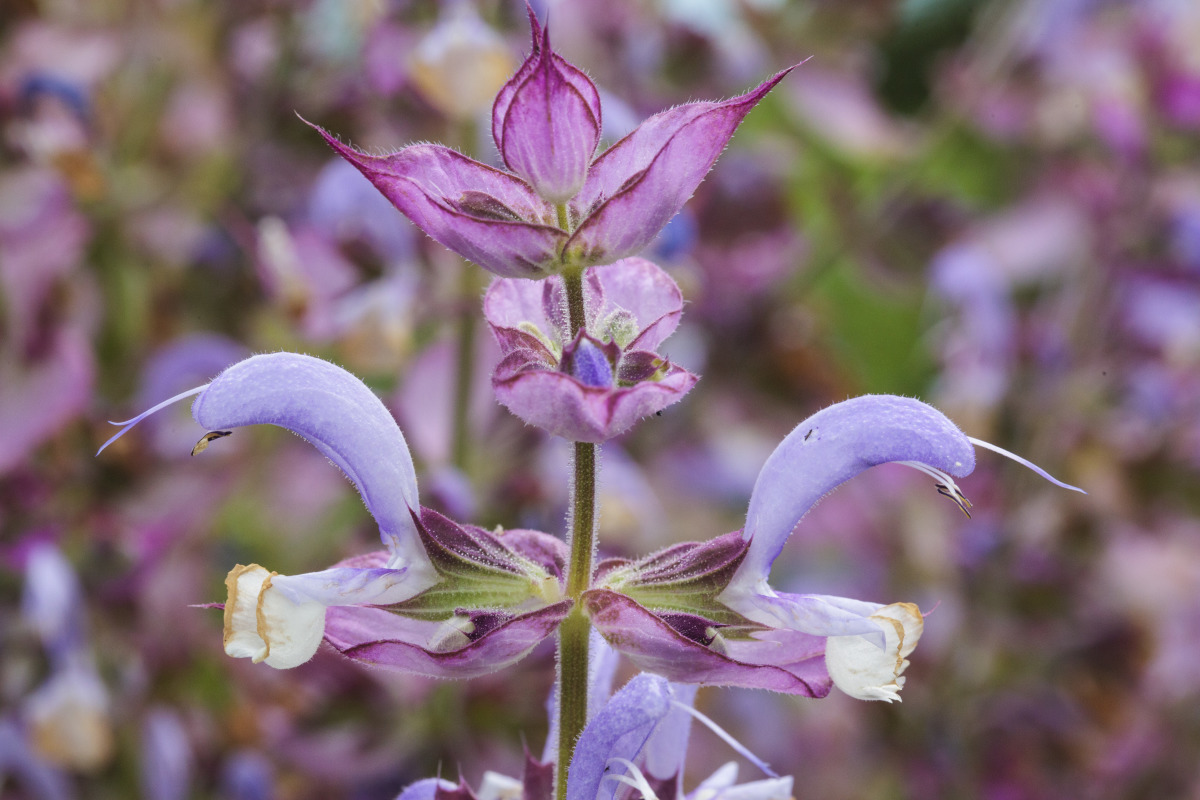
(425, 789)
(818, 615)
(667, 749)
(768, 789)
(830, 448)
(348, 586)
(620, 730)
(339, 415)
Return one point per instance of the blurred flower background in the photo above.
(991, 205)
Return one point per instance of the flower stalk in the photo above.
(573, 633)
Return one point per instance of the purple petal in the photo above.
(355, 630)
(512, 306)
(828, 449)
(345, 421)
(781, 661)
(425, 789)
(563, 406)
(620, 730)
(587, 363)
(819, 615)
(646, 291)
(667, 748)
(485, 215)
(639, 183)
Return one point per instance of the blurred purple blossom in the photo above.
(166, 756)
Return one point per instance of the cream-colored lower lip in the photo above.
(261, 618)
(231, 588)
(231, 593)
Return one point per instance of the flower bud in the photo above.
(264, 624)
(546, 122)
(588, 364)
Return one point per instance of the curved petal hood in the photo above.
(343, 419)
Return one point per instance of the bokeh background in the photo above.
(994, 206)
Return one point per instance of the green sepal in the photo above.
(684, 578)
(477, 570)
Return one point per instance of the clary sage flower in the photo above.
(705, 613)
(454, 600)
(441, 599)
(598, 384)
(560, 205)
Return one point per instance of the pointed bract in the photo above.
(485, 215)
(636, 186)
(546, 122)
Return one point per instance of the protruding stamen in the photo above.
(726, 737)
(945, 485)
(129, 423)
(211, 436)
(635, 779)
(1025, 463)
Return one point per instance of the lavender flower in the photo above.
(704, 612)
(559, 206)
(442, 599)
(597, 384)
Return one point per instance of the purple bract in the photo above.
(597, 384)
(559, 207)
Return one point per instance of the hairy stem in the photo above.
(573, 633)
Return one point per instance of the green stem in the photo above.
(573, 633)
(573, 282)
(465, 367)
